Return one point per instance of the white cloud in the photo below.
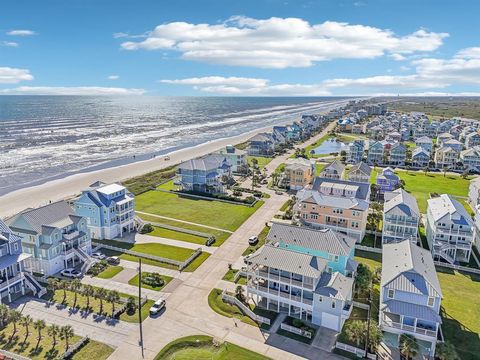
(9, 43)
(73, 90)
(281, 42)
(10, 75)
(21, 33)
(113, 77)
(219, 81)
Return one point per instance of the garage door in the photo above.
(330, 321)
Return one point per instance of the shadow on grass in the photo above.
(466, 341)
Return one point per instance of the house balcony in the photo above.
(453, 232)
(280, 295)
(71, 235)
(5, 282)
(337, 224)
(412, 223)
(420, 329)
(283, 279)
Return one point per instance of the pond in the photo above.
(329, 146)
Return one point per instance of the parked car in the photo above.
(253, 240)
(167, 158)
(113, 260)
(157, 306)
(98, 255)
(71, 273)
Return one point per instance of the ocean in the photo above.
(46, 137)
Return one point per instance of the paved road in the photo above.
(108, 331)
(188, 311)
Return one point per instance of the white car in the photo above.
(71, 273)
(157, 306)
(98, 255)
(253, 240)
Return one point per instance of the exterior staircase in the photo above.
(441, 251)
(140, 223)
(32, 283)
(88, 261)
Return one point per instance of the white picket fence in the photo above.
(368, 248)
(233, 300)
(354, 350)
(296, 330)
(13, 356)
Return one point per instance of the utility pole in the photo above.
(140, 303)
(369, 300)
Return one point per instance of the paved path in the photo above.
(122, 287)
(185, 222)
(126, 264)
(188, 312)
(108, 331)
(144, 239)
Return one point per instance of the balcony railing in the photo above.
(337, 224)
(11, 280)
(283, 279)
(275, 292)
(401, 222)
(71, 235)
(409, 328)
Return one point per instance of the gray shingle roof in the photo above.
(362, 192)
(407, 267)
(335, 165)
(403, 200)
(446, 204)
(328, 241)
(335, 285)
(313, 196)
(208, 162)
(6, 234)
(362, 167)
(57, 215)
(411, 310)
(287, 260)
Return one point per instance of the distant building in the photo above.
(425, 143)
(446, 158)
(298, 173)
(305, 273)
(109, 210)
(450, 230)
(474, 192)
(376, 152)
(397, 155)
(334, 170)
(470, 159)
(261, 144)
(420, 157)
(360, 173)
(236, 158)
(410, 296)
(355, 151)
(387, 180)
(54, 235)
(401, 217)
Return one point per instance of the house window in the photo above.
(390, 293)
(320, 299)
(336, 258)
(15, 247)
(431, 301)
(333, 304)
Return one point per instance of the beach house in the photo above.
(360, 173)
(474, 192)
(446, 158)
(401, 217)
(472, 139)
(235, 157)
(334, 170)
(397, 154)
(425, 143)
(298, 173)
(410, 297)
(335, 204)
(109, 210)
(450, 230)
(470, 159)
(15, 280)
(261, 144)
(206, 174)
(355, 151)
(387, 180)
(376, 151)
(54, 236)
(420, 157)
(442, 138)
(305, 273)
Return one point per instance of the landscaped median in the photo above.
(205, 347)
(151, 281)
(167, 256)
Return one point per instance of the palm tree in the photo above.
(39, 325)
(446, 351)
(87, 291)
(375, 336)
(66, 332)
(26, 322)
(408, 346)
(100, 294)
(53, 284)
(113, 297)
(14, 317)
(53, 331)
(356, 331)
(64, 285)
(3, 314)
(239, 292)
(75, 286)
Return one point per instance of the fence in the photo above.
(190, 259)
(354, 350)
(183, 230)
(368, 248)
(296, 330)
(233, 300)
(13, 356)
(360, 305)
(74, 348)
(239, 274)
(210, 198)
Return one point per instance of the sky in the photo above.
(240, 48)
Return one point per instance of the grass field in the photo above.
(93, 350)
(110, 272)
(421, 185)
(177, 235)
(142, 183)
(460, 313)
(81, 304)
(207, 212)
(201, 347)
(133, 318)
(220, 307)
(134, 281)
(439, 108)
(262, 161)
(319, 168)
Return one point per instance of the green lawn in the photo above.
(200, 347)
(220, 307)
(93, 350)
(167, 185)
(207, 212)
(133, 318)
(166, 279)
(262, 161)
(220, 236)
(421, 185)
(69, 301)
(110, 272)
(177, 235)
(27, 345)
(291, 321)
(261, 241)
(318, 168)
(230, 275)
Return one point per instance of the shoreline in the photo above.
(68, 185)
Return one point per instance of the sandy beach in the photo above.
(72, 185)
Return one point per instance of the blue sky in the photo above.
(261, 47)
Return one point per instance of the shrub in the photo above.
(153, 280)
(147, 228)
(97, 268)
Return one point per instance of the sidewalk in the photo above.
(110, 284)
(145, 239)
